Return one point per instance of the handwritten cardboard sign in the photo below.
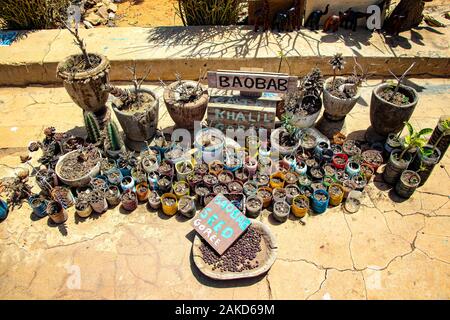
(252, 81)
(220, 223)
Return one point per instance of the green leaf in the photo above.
(410, 128)
(425, 131)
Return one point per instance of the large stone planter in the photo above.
(139, 127)
(387, 117)
(307, 121)
(275, 142)
(185, 114)
(85, 88)
(336, 108)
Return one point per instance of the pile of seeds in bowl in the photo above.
(239, 257)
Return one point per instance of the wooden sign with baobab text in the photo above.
(220, 223)
(252, 81)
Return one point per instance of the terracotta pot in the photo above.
(86, 88)
(387, 117)
(185, 114)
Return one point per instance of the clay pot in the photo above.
(56, 212)
(281, 211)
(394, 167)
(169, 210)
(139, 128)
(253, 212)
(409, 181)
(142, 191)
(387, 117)
(336, 109)
(297, 210)
(185, 114)
(86, 88)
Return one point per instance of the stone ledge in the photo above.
(186, 50)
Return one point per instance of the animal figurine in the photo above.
(396, 22)
(262, 16)
(314, 18)
(288, 20)
(332, 23)
(351, 18)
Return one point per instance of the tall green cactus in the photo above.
(114, 139)
(92, 127)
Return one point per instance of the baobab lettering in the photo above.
(252, 83)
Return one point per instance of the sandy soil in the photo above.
(147, 13)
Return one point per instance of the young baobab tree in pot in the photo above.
(392, 105)
(84, 74)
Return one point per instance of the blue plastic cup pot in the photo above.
(352, 168)
(301, 167)
(127, 183)
(115, 176)
(38, 205)
(319, 205)
(3, 209)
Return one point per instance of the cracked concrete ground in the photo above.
(390, 249)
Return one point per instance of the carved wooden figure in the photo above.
(351, 18)
(314, 18)
(262, 16)
(332, 23)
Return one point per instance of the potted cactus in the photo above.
(186, 102)
(113, 144)
(84, 75)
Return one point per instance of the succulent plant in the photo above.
(115, 142)
(92, 127)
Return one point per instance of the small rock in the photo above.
(87, 24)
(112, 7)
(103, 12)
(93, 19)
(111, 16)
